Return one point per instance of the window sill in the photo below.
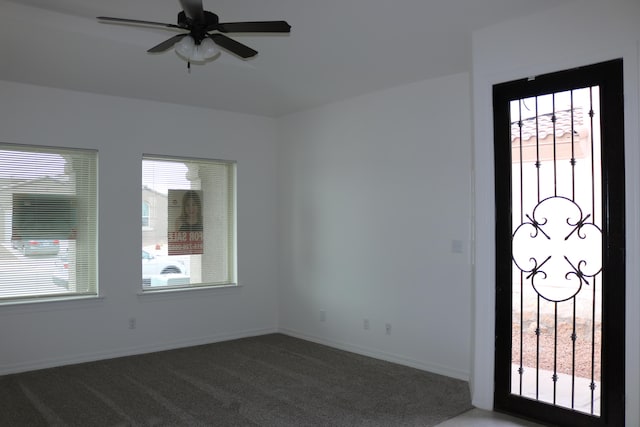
(50, 304)
(165, 290)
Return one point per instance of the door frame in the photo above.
(609, 76)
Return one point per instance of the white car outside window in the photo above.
(154, 265)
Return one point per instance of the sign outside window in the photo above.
(185, 231)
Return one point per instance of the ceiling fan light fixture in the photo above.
(188, 50)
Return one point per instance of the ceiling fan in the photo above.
(204, 32)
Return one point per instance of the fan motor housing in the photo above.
(209, 23)
(198, 28)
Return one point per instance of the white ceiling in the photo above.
(337, 48)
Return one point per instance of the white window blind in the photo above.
(47, 222)
(193, 239)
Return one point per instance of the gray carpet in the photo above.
(271, 380)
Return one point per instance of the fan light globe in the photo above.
(197, 54)
(208, 48)
(186, 47)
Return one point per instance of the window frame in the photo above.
(231, 220)
(79, 248)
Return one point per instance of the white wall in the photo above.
(46, 334)
(581, 33)
(373, 192)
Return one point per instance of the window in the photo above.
(193, 239)
(47, 223)
(146, 207)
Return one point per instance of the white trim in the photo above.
(166, 290)
(130, 351)
(632, 200)
(44, 304)
(429, 367)
(211, 339)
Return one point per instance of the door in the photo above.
(560, 263)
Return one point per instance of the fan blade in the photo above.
(255, 27)
(167, 44)
(232, 46)
(193, 9)
(136, 21)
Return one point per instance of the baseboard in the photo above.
(429, 367)
(130, 351)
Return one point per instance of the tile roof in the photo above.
(545, 125)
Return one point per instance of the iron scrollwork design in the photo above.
(558, 249)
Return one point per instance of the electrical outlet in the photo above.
(387, 327)
(132, 323)
(365, 324)
(323, 315)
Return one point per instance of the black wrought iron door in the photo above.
(559, 171)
